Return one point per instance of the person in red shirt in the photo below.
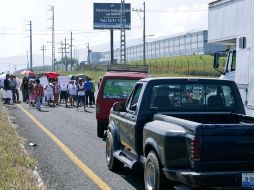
(39, 93)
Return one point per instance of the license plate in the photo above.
(248, 179)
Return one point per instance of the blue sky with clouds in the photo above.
(164, 17)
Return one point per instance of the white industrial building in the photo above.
(182, 44)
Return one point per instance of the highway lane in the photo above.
(77, 131)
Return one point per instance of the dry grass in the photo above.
(15, 165)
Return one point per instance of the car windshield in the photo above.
(192, 97)
(118, 88)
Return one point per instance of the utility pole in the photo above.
(27, 60)
(31, 46)
(88, 53)
(111, 46)
(61, 51)
(43, 49)
(144, 31)
(52, 9)
(65, 52)
(144, 35)
(71, 52)
(122, 35)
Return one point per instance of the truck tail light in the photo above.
(98, 109)
(196, 144)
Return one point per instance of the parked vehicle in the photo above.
(190, 131)
(116, 85)
(231, 24)
(76, 77)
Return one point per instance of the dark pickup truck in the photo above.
(188, 131)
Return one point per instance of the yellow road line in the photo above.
(99, 182)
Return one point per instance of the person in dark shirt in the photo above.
(7, 82)
(6, 88)
(88, 91)
(24, 88)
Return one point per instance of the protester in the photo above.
(88, 91)
(24, 89)
(31, 93)
(72, 89)
(92, 94)
(99, 83)
(13, 85)
(7, 99)
(64, 94)
(49, 90)
(39, 93)
(57, 90)
(81, 94)
(16, 91)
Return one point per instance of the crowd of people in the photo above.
(75, 94)
(11, 89)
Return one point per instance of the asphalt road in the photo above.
(77, 131)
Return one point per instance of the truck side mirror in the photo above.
(216, 60)
(119, 106)
(216, 63)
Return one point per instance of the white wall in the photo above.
(229, 20)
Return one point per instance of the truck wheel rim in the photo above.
(150, 176)
(108, 150)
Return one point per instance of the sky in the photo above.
(163, 18)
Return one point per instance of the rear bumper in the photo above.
(232, 180)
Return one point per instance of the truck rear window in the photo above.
(118, 88)
(192, 97)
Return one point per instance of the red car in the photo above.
(115, 87)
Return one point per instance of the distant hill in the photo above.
(20, 62)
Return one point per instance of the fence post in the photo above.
(162, 65)
(150, 67)
(204, 65)
(188, 67)
(168, 66)
(156, 66)
(175, 67)
(196, 64)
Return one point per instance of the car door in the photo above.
(127, 132)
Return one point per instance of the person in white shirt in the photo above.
(81, 94)
(49, 93)
(64, 94)
(72, 89)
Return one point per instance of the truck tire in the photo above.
(113, 163)
(100, 129)
(153, 176)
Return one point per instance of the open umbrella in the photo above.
(52, 75)
(28, 73)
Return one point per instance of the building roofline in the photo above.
(218, 2)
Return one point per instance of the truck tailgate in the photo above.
(226, 147)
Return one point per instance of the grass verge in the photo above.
(192, 65)
(15, 165)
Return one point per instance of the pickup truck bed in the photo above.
(224, 140)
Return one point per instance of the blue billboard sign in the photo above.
(108, 16)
